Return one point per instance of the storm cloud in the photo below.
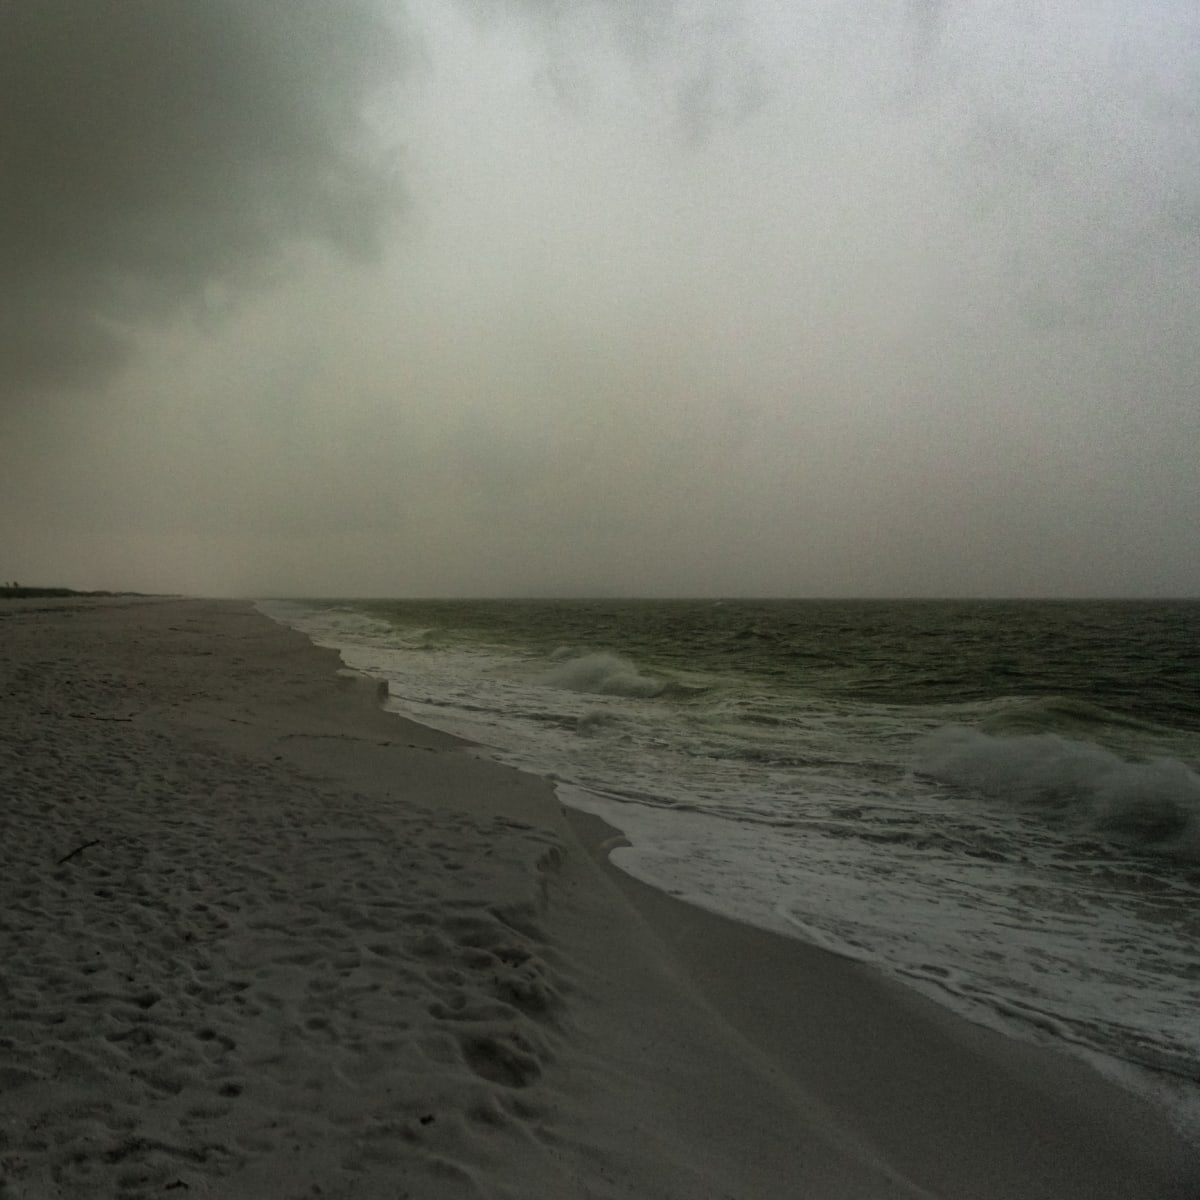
(160, 153)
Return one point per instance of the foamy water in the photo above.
(1030, 860)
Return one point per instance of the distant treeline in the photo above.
(15, 591)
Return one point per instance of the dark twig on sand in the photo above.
(77, 850)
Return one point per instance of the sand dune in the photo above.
(260, 938)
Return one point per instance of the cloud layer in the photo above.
(669, 297)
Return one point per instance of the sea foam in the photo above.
(603, 673)
(1155, 803)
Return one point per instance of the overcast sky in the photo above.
(633, 297)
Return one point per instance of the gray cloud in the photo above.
(926, 23)
(152, 149)
(694, 58)
(1073, 137)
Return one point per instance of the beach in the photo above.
(262, 938)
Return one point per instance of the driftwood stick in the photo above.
(77, 850)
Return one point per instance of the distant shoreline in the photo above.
(17, 592)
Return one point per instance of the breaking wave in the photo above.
(1067, 715)
(605, 674)
(1154, 804)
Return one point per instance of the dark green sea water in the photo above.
(1133, 659)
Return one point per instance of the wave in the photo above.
(595, 721)
(1061, 714)
(433, 638)
(1153, 804)
(605, 674)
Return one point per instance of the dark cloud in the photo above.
(151, 150)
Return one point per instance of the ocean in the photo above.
(996, 802)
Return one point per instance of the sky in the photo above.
(601, 297)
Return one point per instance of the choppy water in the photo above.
(997, 802)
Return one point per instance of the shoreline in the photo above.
(1172, 1094)
(313, 944)
(1039, 1098)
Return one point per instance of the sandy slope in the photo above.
(260, 939)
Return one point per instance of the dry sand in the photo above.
(260, 938)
